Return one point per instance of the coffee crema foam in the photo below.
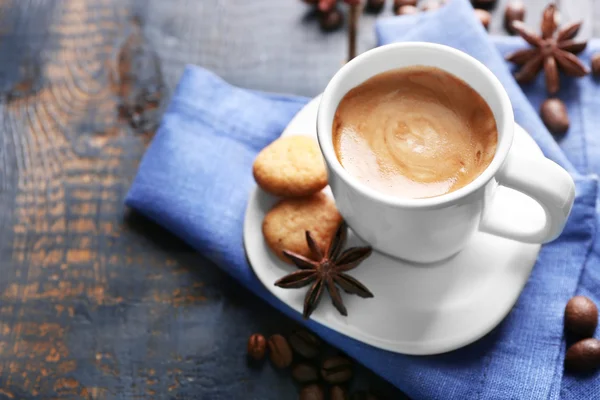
(414, 132)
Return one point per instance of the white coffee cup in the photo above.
(432, 229)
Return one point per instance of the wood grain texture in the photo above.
(96, 302)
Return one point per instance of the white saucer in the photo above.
(417, 309)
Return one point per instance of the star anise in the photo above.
(550, 52)
(327, 271)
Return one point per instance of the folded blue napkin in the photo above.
(196, 176)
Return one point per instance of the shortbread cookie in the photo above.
(285, 225)
(291, 167)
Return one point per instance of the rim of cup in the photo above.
(327, 109)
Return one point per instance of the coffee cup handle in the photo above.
(544, 181)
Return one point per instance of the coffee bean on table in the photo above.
(331, 20)
(554, 114)
(581, 316)
(336, 369)
(596, 64)
(484, 17)
(257, 345)
(312, 392)
(305, 373)
(280, 352)
(338, 393)
(375, 5)
(305, 344)
(362, 395)
(515, 11)
(407, 10)
(583, 356)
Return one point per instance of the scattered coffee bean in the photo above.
(400, 3)
(484, 16)
(596, 64)
(487, 4)
(257, 345)
(554, 114)
(280, 352)
(305, 373)
(312, 392)
(581, 316)
(305, 344)
(432, 5)
(515, 11)
(311, 2)
(331, 20)
(583, 356)
(375, 6)
(336, 369)
(407, 10)
(338, 393)
(363, 395)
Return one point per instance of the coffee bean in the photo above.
(363, 395)
(375, 6)
(305, 373)
(336, 369)
(257, 345)
(484, 16)
(487, 4)
(596, 64)
(338, 393)
(312, 392)
(407, 10)
(311, 2)
(305, 344)
(581, 316)
(515, 11)
(280, 352)
(583, 356)
(400, 3)
(331, 20)
(554, 114)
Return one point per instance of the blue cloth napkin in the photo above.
(196, 176)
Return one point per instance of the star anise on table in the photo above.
(550, 52)
(327, 271)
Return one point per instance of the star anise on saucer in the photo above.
(550, 52)
(327, 270)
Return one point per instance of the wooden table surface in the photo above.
(96, 302)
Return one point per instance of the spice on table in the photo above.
(555, 116)
(327, 270)
(407, 10)
(375, 6)
(515, 11)
(581, 317)
(596, 64)
(338, 393)
(305, 373)
(257, 346)
(583, 356)
(549, 52)
(484, 17)
(312, 392)
(305, 344)
(336, 370)
(331, 20)
(280, 352)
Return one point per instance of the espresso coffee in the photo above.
(414, 132)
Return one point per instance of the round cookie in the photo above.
(291, 167)
(285, 225)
